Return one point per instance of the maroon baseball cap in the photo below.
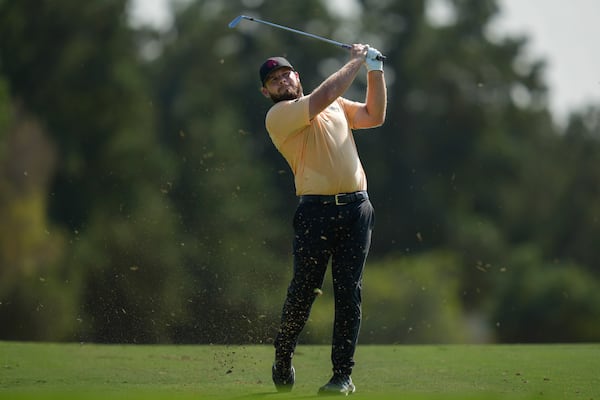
(271, 65)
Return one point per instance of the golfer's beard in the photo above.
(292, 93)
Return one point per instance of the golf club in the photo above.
(237, 20)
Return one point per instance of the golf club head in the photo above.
(236, 21)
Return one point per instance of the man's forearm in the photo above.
(334, 86)
(376, 98)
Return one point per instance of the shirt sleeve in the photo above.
(287, 117)
(350, 108)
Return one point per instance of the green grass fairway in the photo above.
(466, 372)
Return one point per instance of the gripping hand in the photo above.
(373, 64)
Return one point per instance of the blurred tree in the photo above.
(37, 296)
(75, 67)
(542, 302)
(5, 110)
(142, 200)
(574, 225)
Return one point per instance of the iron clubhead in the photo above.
(236, 21)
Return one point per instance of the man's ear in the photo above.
(265, 92)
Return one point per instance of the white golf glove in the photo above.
(373, 64)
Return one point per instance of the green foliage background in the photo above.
(142, 201)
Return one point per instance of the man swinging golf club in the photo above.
(334, 217)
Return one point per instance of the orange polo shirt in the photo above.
(321, 152)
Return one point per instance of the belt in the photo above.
(337, 199)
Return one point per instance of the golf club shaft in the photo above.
(330, 41)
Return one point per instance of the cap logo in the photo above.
(272, 63)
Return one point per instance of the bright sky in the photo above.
(564, 33)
